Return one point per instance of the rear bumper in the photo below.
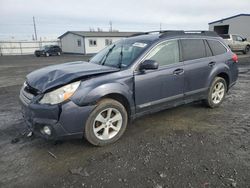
(65, 120)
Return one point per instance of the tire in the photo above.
(246, 49)
(216, 93)
(58, 53)
(37, 55)
(100, 130)
(47, 54)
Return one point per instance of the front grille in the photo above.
(30, 89)
(27, 93)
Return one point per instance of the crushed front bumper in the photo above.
(65, 120)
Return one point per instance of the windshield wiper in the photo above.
(120, 62)
(121, 56)
(106, 56)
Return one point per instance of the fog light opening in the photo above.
(46, 130)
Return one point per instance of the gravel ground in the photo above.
(187, 146)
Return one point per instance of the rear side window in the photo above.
(208, 50)
(193, 49)
(216, 47)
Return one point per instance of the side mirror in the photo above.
(149, 65)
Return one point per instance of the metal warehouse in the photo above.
(89, 42)
(238, 24)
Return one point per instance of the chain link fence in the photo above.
(23, 47)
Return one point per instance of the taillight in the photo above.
(235, 58)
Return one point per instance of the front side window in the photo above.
(238, 38)
(92, 42)
(193, 49)
(216, 47)
(165, 53)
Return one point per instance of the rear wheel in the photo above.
(246, 50)
(217, 92)
(107, 123)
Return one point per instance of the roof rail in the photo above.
(202, 32)
(192, 32)
(173, 32)
(166, 33)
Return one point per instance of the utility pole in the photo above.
(110, 26)
(34, 23)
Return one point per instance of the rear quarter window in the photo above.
(216, 47)
(193, 49)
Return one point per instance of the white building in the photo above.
(86, 42)
(238, 24)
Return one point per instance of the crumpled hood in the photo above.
(57, 75)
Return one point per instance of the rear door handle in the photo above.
(211, 64)
(178, 71)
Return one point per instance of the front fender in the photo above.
(90, 94)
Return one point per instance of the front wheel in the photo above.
(246, 50)
(217, 92)
(106, 123)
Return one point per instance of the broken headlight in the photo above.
(61, 94)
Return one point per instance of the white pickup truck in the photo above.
(237, 43)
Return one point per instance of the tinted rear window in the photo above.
(216, 47)
(225, 36)
(193, 49)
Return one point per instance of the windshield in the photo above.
(120, 54)
(45, 47)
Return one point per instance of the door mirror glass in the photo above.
(149, 65)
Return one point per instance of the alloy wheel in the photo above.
(218, 92)
(107, 124)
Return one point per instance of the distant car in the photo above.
(237, 43)
(132, 77)
(48, 51)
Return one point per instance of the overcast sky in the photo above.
(54, 17)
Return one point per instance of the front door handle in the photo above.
(178, 71)
(211, 64)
